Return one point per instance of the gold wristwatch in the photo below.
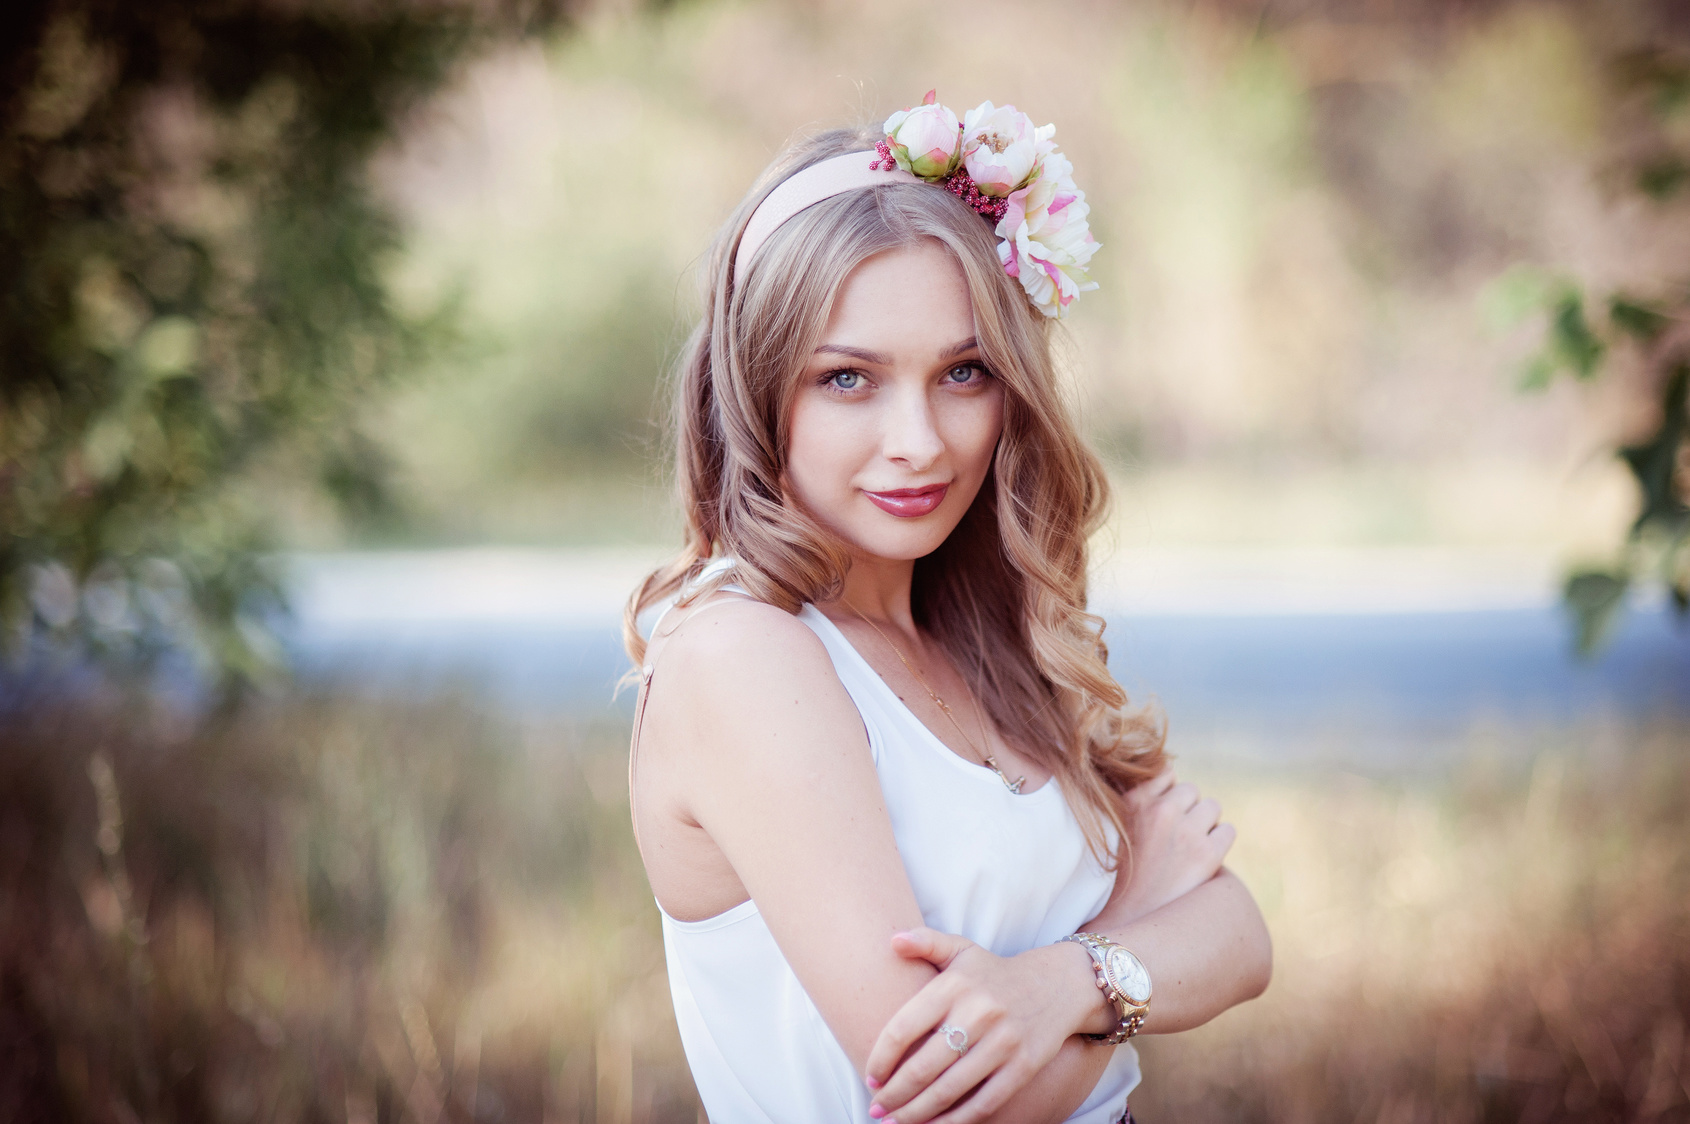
(1122, 978)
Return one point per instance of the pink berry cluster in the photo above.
(959, 183)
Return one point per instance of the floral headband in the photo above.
(994, 160)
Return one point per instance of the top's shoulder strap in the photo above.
(739, 595)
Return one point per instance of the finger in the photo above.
(937, 948)
(915, 1075)
(1148, 790)
(976, 1017)
(923, 1011)
(990, 1096)
(1183, 796)
(1223, 835)
(1206, 814)
(966, 1072)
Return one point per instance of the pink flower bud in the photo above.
(925, 140)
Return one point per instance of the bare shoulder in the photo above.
(732, 653)
(729, 634)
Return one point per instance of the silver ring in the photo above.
(956, 1038)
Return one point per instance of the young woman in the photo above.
(880, 770)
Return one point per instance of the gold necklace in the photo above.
(986, 758)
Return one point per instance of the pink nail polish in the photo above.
(876, 1111)
(872, 1083)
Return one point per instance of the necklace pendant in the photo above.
(1013, 785)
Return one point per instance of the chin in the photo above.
(905, 541)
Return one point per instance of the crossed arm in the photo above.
(1207, 950)
(1191, 922)
(777, 774)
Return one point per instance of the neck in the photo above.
(878, 588)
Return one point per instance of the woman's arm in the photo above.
(1198, 931)
(771, 754)
(1187, 918)
(750, 725)
(1207, 951)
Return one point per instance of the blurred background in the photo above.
(334, 335)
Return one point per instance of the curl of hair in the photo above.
(1005, 594)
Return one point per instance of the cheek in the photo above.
(975, 432)
(821, 453)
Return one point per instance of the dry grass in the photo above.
(1500, 948)
(325, 909)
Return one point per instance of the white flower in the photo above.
(925, 139)
(1001, 148)
(1046, 242)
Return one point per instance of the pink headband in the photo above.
(805, 189)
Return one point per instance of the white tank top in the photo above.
(1008, 872)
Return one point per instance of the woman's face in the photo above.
(895, 418)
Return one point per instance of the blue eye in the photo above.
(964, 373)
(845, 380)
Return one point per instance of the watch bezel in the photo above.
(1117, 985)
(1130, 1012)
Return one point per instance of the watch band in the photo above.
(1130, 1015)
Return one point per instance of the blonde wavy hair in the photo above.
(1005, 595)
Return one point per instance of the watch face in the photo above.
(1129, 976)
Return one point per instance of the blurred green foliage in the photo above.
(542, 430)
(1583, 332)
(194, 302)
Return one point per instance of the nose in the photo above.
(911, 435)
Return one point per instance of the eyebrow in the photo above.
(883, 360)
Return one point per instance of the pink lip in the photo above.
(910, 503)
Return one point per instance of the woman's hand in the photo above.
(1017, 1012)
(1178, 843)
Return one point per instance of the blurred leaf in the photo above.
(1571, 341)
(1654, 463)
(1518, 294)
(357, 474)
(1675, 569)
(168, 347)
(1662, 177)
(1674, 94)
(1653, 88)
(1642, 322)
(1663, 77)
(1570, 344)
(1536, 372)
(1595, 598)
(194, 292)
